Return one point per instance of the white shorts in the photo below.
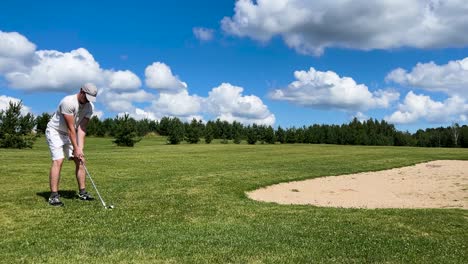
(59, 143)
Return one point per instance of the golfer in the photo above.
(65, 135)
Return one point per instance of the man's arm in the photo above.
(82, 132)
(77, 150)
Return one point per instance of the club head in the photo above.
(110, 207)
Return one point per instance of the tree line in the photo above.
(15, 131)
(370, 132)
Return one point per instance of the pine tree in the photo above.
(126, 135)
(270, 135)
(463, 137)
(209, 131)
(164, 126)
(15, 128)
(94, 126)
(280, 135)
(175, 131)
(237, 129)
(193, 132)
(291, 135)
(41, 123)
(252, 134)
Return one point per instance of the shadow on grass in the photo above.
(68, 194)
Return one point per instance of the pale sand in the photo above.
(435, 184)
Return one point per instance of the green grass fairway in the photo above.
(187, 204)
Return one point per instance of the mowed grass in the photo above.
(187, 204)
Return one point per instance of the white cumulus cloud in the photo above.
(310, 26)
(317, 89)
(124, 80)
(227, 102)
(123, 101)
(159, 76)
(51, 70)
(26, 68)
(450, 78)
(416, 107)
(177, 104)
(13, 44)
(174, 100)
(16, 51)
(58, 71)
(140, 114)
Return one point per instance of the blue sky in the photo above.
(276, 62)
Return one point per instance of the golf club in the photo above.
(94, 185)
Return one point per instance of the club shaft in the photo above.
(94, 185)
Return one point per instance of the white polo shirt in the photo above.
(70, 106)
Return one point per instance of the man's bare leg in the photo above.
(54, 176)
(80, 175)
(54, 179)
(81, 179)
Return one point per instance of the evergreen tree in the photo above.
(175, 131)
(108, 128)
(403, 139)
(154, 126)
(316, 134)
(94, 127)
(218, 131)
(280, 135)
(270, 135)
(252, 134)
(225, 132)
(300, 135)
(125, 134)
(291, 135)
(261, 135)
(346, 136)
(15, 128)
(143, 127)
(164, 125)
(209, 131)
(463, 137)
(237, 130)
(193, 132)
(41, 122)
(422, 138)
(201, 127)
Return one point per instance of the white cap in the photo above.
(90, 90)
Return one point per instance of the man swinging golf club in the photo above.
(65, 135)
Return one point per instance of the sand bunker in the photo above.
(435, 184)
